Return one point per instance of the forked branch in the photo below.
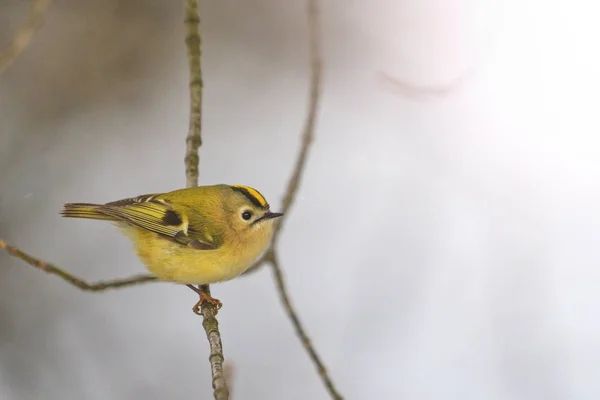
(193, 142)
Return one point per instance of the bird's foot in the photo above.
(205, 298)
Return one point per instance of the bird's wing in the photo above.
(160, 216)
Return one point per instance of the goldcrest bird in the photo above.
(198, 235)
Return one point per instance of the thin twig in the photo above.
(300, 331)
(308, 132)
(292, 189)
(72, 279)
(192, 159)
(25, 33)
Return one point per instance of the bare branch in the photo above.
(25, 33)
(192, 159)
(216, 358)
(194, 137)
(72, 279)
(292, 189)
(300, 331)
(308, 132)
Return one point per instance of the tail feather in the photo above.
(85, 210)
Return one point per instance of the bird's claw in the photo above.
(204, 298)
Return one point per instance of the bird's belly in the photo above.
(176, 263)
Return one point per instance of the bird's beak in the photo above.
(268, 215)
(271, 215)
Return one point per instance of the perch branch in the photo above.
(192, 160)
(72, 279)
(292, 189)
(25, 33)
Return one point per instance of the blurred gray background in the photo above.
(441, 247)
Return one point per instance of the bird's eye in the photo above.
(246, 215)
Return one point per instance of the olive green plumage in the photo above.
(197, 235)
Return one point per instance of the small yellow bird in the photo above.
(198, 235)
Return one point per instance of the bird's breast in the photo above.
(174, 262)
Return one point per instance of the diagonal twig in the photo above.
(192, 159)
(292, 189)
(72, 279)
(308, 132)
(23, 36)
(284, 296)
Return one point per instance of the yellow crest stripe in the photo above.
(252, 194)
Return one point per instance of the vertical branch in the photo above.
(193, 142)
(216, 358)
(194, 137)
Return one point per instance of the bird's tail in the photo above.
(85, 210)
